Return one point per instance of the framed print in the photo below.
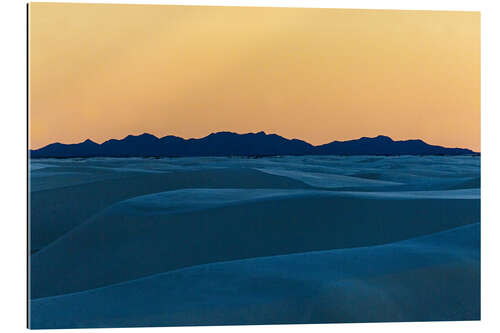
(210, 165)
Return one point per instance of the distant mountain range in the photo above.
(233, 144)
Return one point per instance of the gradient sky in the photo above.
(106, 71)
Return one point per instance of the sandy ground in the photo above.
(195, 241)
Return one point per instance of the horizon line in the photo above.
(257, 132)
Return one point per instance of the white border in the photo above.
(13, 152)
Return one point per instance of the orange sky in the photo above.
(106, 71)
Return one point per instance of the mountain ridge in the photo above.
(227, 143)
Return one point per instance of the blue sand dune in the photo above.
(174, 229)
(64, 193)
(434, 277)
(241, 240)
(59, 209)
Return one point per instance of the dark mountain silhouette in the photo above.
(250, 144)
(384, 145)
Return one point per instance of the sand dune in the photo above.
(66, 192)
(56, 211)
(327, 180)
(434, 277)
(283, 239)
(157, 233)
